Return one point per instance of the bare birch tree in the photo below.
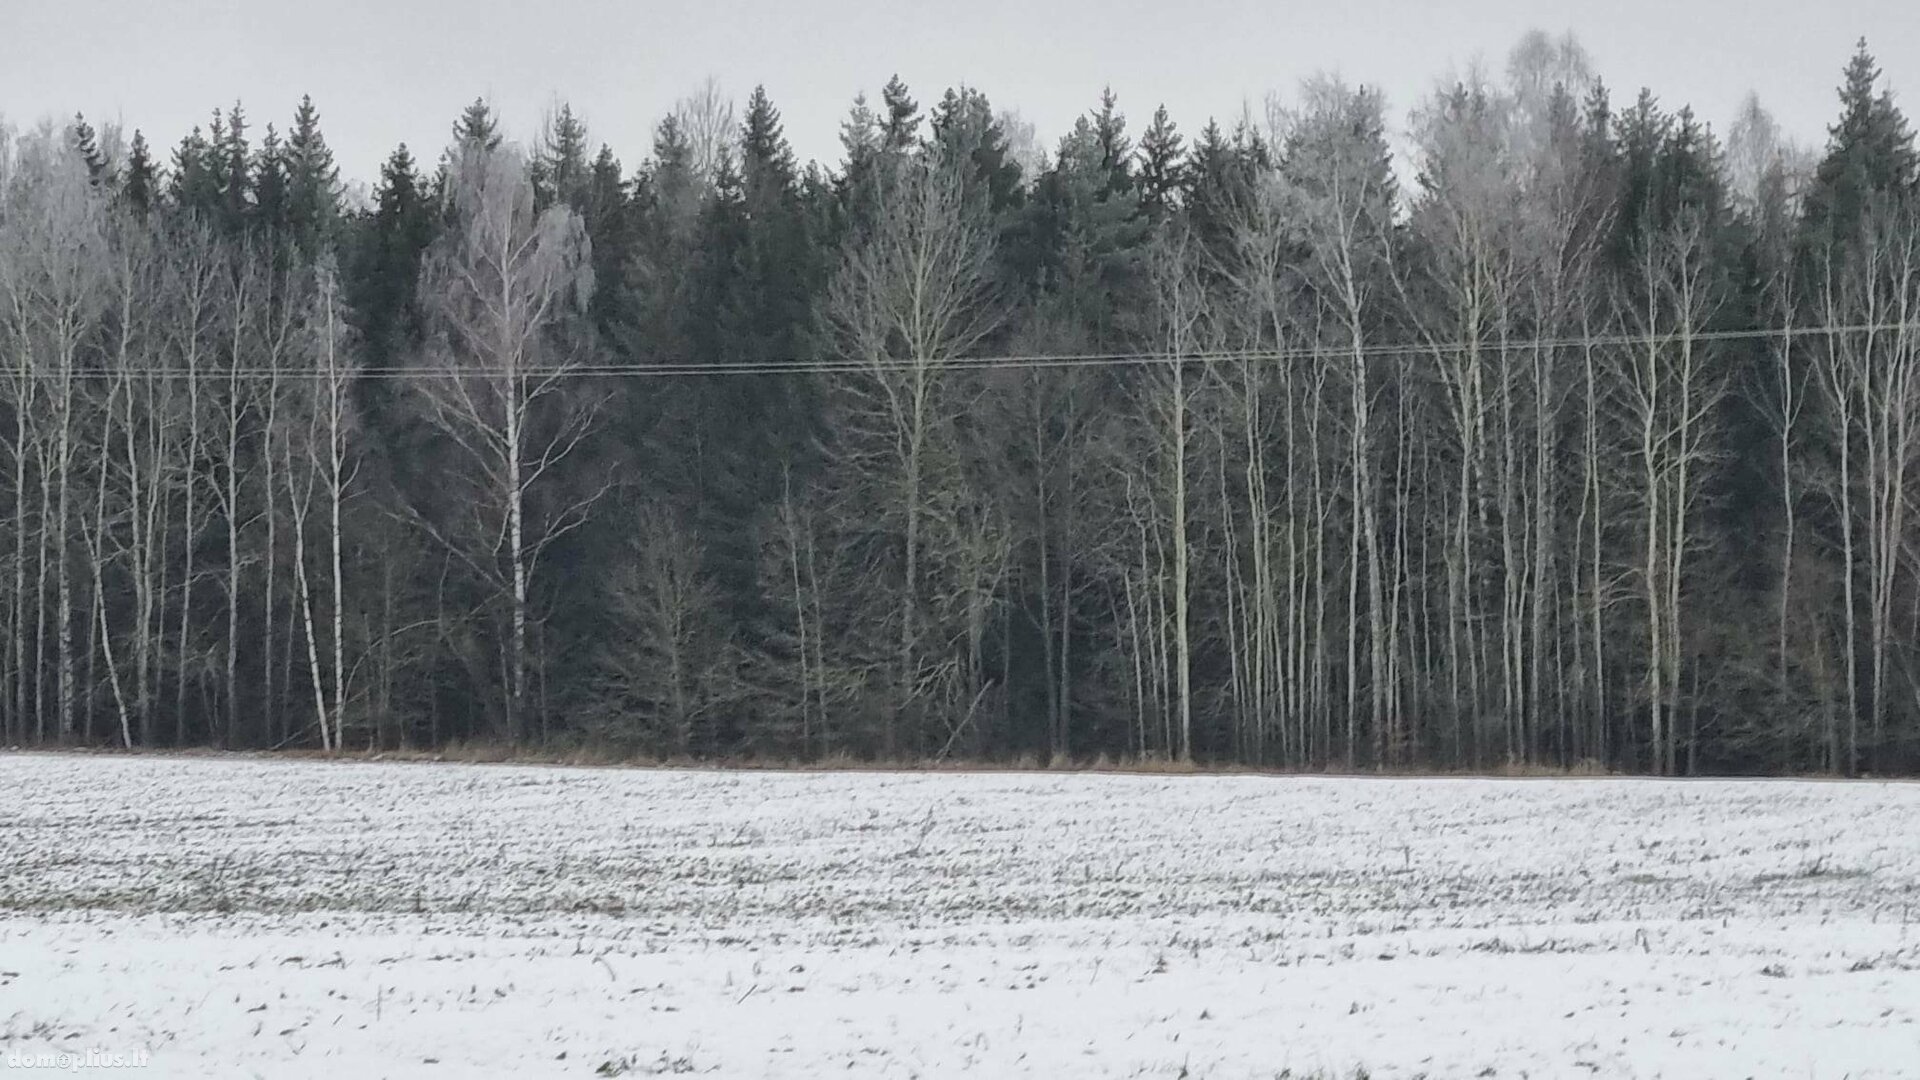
(1336, 162)
(1672, 384)
(313, 434)
(499, 287)
(1869, 372)
(54, 287)
(912, 295)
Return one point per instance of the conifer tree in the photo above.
(964, 127)
(313, 179)
(860, 137)
(477, 124)
(1870, 151)
(863, 144)
(271, 204)
(1116, 150)
(607, 214)
(861, 141)
(900, 127)
(767, 169)
(666, 206)
(1640, 133)
(386, 273)
(1162, 167)
(84, 141)
(192, 186)
(673, 179)
(1692, 172)
(560, 169)
(1219, 175)
(720, 248)
(1089, 228)
(139, 184)
(779, 262)
(750, 303)
(233, 170)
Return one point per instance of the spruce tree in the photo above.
(1870, 153)
(383, 286)
(313, 180)
(1597, 161)
(778, 264)
(663, 216)
(1116, 150)
(139, 186)
(719, 249)
(767, 169)
(964, 126)
(672, 180)
(1087, 228)
(1692, 175)
(607, 213)
(213, 169)
(233, 171)
(1162, 165)
(860, 135)
(863, 143)
(192, 185)
(900, 127)
(751, 302)
(1219, 176)
(85, 143)
(560, 167)
(477, 124)
(271, 208)
(478, 128)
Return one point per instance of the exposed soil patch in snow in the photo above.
(248, 916)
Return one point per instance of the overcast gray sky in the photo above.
(383, 71)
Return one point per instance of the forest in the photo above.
(1569, 434)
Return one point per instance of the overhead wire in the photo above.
(993, 362)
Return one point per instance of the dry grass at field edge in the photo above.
(602, 756)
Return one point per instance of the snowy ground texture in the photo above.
(243, 916)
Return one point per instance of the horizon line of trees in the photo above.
(1591, 446)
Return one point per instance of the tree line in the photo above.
(1582, 437)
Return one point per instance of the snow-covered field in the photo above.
(243, 916)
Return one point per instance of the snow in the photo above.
(242, 916)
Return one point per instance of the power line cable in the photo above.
(816, 366)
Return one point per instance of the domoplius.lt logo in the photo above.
(76, 1060)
